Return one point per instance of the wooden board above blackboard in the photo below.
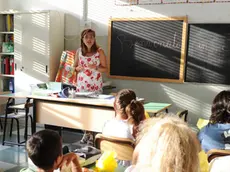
(208, 56)
(147, 49)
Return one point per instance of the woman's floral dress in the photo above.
(89, 80)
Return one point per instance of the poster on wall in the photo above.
(173, 1)
(147, 2)
(126, 2)
(200, 1)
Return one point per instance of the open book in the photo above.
(88, 155)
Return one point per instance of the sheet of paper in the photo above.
(201, 123)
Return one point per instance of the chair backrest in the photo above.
(214, 153)
(183, 115)
(123, 147)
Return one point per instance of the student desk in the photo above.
(78, 113)
(155, 108)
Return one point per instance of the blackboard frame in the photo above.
(183, 48)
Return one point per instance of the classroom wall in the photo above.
(196, 98)
(2, 5)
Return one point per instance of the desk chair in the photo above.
(183, 114)
(214, 153)
(1, 124)
(123, 147)
(218, 160)
(12, 112)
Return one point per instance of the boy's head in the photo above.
(45, 149)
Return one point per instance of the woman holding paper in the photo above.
(90, 63)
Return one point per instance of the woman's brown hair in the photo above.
(84, 48)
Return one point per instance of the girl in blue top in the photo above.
(216, 135)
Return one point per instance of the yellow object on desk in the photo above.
(204, 166)
(201, 123)
(147, 116)
(107, 162)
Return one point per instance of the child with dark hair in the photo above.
(216, 135)
(45, 151)
(129, 114)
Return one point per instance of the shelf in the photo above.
(6, 53)
(6, 32)
(6, 75)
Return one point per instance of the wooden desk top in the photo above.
(151, 107)
(87, 101)
(15, 95)
(156, 107)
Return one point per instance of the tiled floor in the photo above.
(14, 158)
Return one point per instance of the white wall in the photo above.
(196, 98)
(2, 5)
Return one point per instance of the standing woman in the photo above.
(90, 63)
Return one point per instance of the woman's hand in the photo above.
(79, 68)
(92, 66)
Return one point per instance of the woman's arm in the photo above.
(103, 65)
(76, 59)
(76, 63)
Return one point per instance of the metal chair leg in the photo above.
(1, 124)
(31, 122)
(11, 127)
(26, 127)
(18, 131)
(4, 130)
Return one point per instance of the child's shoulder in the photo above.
(117, 122)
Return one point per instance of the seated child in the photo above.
(165, 144)
(129, 114)
(45, 151)
(215, 135)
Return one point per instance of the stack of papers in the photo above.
(93, 95)
(100, 96)
(83, 94)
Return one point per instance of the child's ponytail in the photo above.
(135, 110)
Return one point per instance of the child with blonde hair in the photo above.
(166, 145)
